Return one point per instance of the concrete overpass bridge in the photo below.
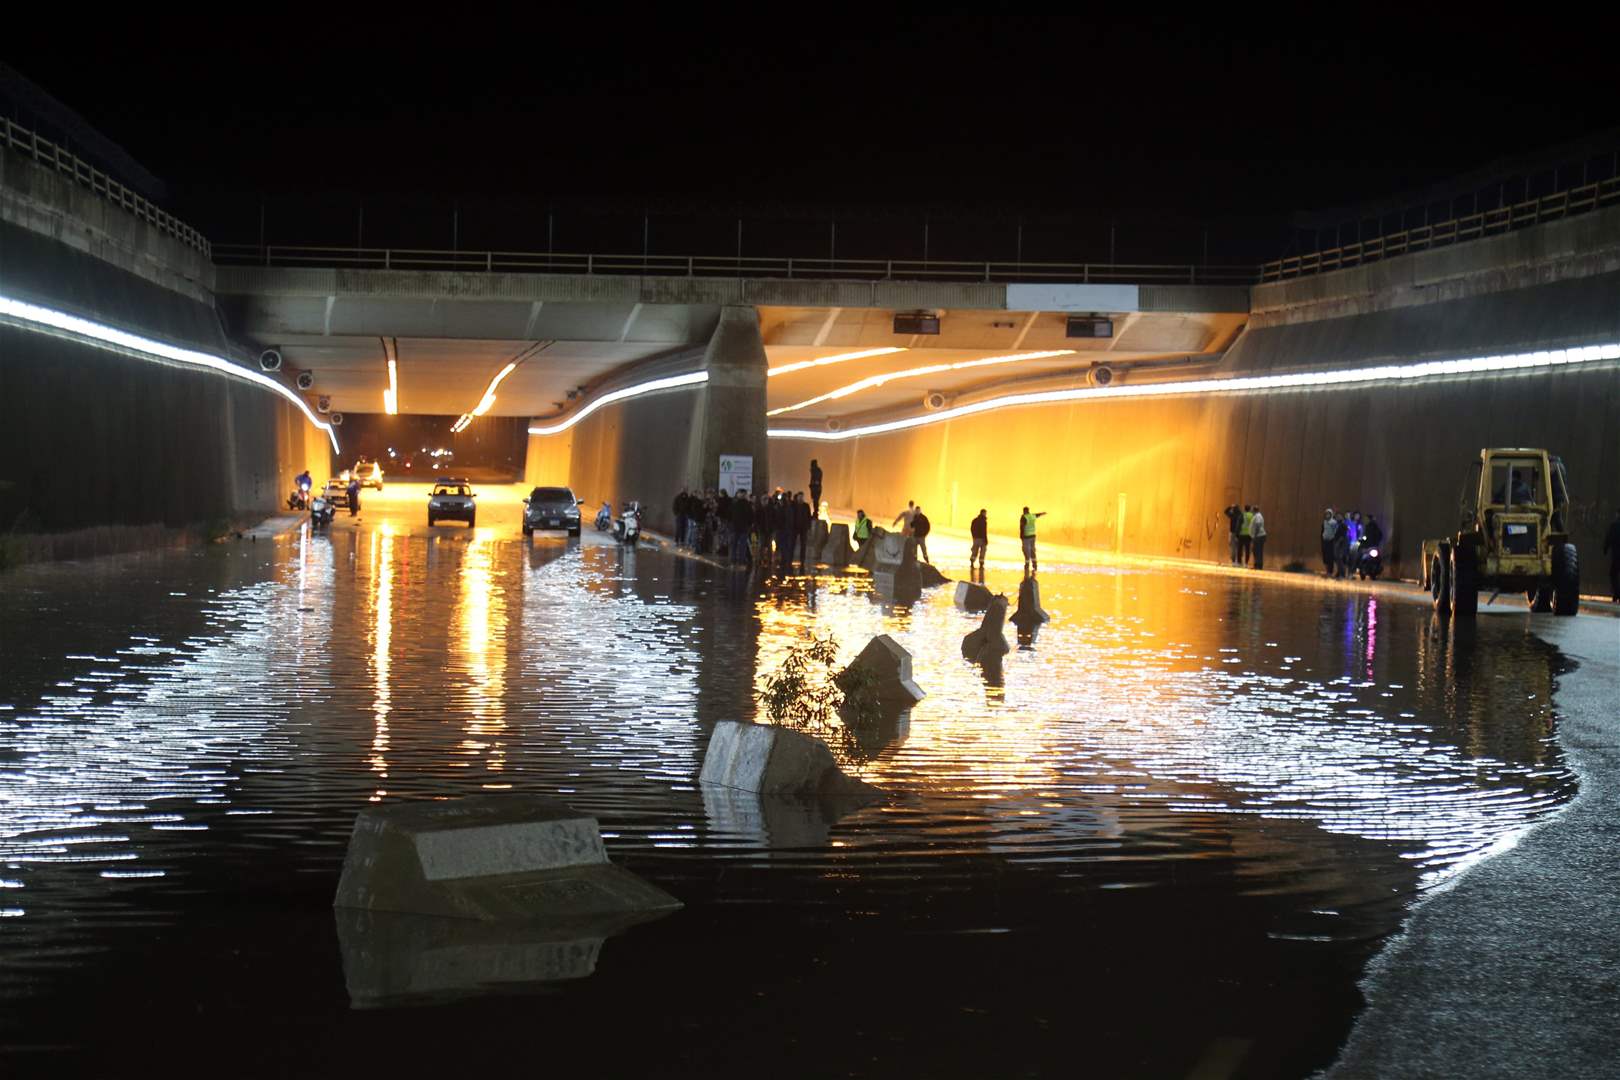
(824, 352)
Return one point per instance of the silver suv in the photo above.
(551, 508)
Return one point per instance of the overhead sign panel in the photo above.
(1055, 296)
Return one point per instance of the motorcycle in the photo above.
(604, 518)
(1370, 564)
(320, 514)
(299, 499)
(627, 529)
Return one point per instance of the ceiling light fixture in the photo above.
(932, 369)
(39, 319)
(1297, 380)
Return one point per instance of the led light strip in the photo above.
(910, 373)
(391, 394)
(695, 378)
(786, 369)
(486, 402)
(34, 317)
(1349, 377)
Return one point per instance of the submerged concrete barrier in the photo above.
(894, 566)
(816, 542)
(490, 857)
(988, 644)
(890, 665)
(837, 551)
(774, 760)
(971, 596)
(1029, 614)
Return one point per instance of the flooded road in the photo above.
(1162, 843)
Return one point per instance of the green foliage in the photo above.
(808, 693)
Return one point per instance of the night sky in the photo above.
(986, 118)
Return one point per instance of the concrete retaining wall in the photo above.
(90, 437)
(1173, 464)
(635, 449)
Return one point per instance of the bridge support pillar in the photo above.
(731, 416)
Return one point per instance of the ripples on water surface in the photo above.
(1166, 838)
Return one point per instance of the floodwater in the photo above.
(1163, 842)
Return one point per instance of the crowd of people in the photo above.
(1248, 535)
(767, 531)
(1346, 539)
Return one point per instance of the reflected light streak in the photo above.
(1242, 384)
(801, 365)
(872, 381)
(42, 319)
(382, 604)
(481, 619)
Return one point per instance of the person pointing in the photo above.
(1026, 533)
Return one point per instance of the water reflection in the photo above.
(1253, 766)
(382, 603)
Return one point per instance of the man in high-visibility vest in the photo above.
(1026, 533)
(862, 532)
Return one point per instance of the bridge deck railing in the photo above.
(728, 266)
(59, 159)
(1493, 222)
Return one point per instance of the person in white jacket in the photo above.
(1257, 531)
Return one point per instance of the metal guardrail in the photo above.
(1474, 226)
(729, 266)
(60, 159)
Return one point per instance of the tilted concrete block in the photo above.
(971, 596)
(773, 760)
(491, 857)
(1029, 614)
(988, 643)
(890, 665)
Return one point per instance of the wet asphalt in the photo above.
(1513, 969)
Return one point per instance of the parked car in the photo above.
(452, 497)
(551, 508)
(336, 492)
(369, 473)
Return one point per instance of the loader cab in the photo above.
(1519, 483)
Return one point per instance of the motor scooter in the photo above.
(1371, 563)
(320, 514)
(628, 528)
(299, 499)
(604, 518)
